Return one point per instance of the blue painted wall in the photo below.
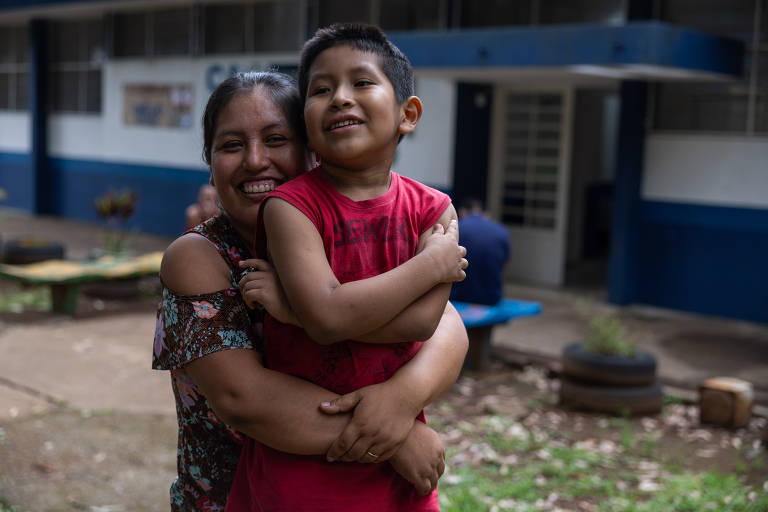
(705, 259)
(637, 42)
(17, 178)
(164, 193)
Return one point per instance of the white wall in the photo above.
(15, 132)
(106, 137)
(427, 154)
(706, 169)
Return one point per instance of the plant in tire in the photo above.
(608, 373)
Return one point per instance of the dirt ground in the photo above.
(59, 456)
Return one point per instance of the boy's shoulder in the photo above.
(309, 178)
(416, 188)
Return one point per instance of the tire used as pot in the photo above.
(20, 251)
(610, 370)
(609, 383)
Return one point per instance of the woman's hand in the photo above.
(263, 286)
(421, 459)
(443, 246)
(380, 423)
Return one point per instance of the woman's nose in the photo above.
(257, 157)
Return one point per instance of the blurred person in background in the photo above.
(205, 207)
(487, 244)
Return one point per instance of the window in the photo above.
(13, 67)
(496, 13)
(130, 34)
(730, 18)
(531, 159)
(343, 11)
(761, 100)
(76, 54)
(263, 26)
(278, 26)
(410, 15)
(703, 107)
(172, 32)
(224, 28)
(740, 107)
(159, 33)
(581, 11)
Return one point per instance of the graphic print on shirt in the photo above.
(374, 230)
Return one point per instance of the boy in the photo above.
(344, 239)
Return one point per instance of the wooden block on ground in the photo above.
(725, 401)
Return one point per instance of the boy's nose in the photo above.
(342, 97)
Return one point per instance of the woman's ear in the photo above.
(410, 114)
(210, 180)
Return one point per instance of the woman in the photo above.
(210, 342)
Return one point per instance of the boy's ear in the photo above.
(410, 115)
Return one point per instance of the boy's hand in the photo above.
(421, 459)
(380, 423)
(443, 246)
(261, 285)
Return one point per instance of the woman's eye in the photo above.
(230, 145)
(275, 140)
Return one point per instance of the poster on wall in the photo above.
(158, 105)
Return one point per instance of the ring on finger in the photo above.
(371, 454)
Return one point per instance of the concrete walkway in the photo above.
(102, 361)
(689, 348)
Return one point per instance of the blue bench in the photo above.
(480, 320)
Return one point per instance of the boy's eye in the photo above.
(363, 82)
(320, 89)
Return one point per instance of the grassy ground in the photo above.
(509, 447)
(546, 459)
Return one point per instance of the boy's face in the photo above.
(352, 115)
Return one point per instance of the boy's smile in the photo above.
(351, 112)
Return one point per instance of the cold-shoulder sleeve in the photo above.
(192, 326)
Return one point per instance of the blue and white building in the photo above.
(621, 141)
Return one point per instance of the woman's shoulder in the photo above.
(192, 265)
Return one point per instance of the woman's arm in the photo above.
(391, 407)
(278, 410)
(330, 311)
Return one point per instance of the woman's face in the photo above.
(254, 150)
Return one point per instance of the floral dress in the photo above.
(189, 327)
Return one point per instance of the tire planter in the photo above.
(633, 400)
(580, 365)
(21, 251)
(609, 384)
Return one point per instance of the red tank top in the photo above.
(361, 239)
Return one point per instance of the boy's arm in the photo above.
(392, 405)
(419, 320)
(330, 311)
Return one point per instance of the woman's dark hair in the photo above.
(281, 89)
(366, 38)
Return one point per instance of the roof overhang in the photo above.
(647, 50)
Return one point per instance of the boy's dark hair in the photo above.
(366, 38)
(280, 87)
